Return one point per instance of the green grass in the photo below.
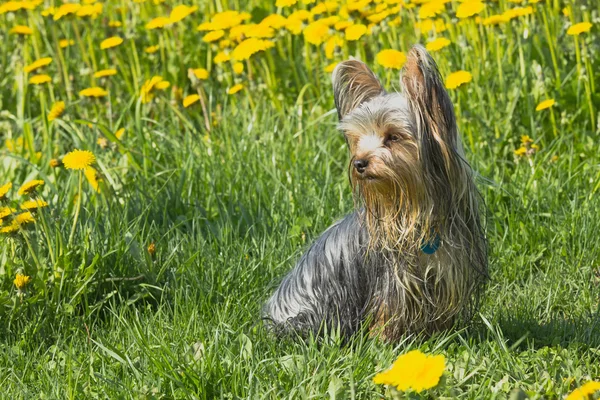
(231, 210)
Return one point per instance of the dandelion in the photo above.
(248, 47)
(413, 371)
(213, 36)
(391, 58)
(235, 89)
(342, 25)
(21, 30)
(191, 99)
(66, 9)
(30, 187)
(438, 44)
(545, 104)
(78, 159)
(180, 12)
(579, 28)
(200, 73)
(55, 163)
(316, 33)
(63, 43)
(104, 73)
(42, 62)
(151, 249)
(119, 134)
(93, 92)
(585, 391)
(4, 190)
(6, 211)
(260, 31)
(285, 3)
(115, 24)
(92, 177)
(56, 111)
(432, 8)
(21, 281)
(159, 22)
(238, 68)
(23, 218)
(156, 82)
(111, 42)
(152, 49)
(90, 10)
(33, 204)
(274, 21)
(457, 79)
(221, 57)
(355, 32)
(469, 8)
(331, 67)
(40, 79)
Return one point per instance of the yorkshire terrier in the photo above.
(412, 258)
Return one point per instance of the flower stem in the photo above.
(77, 208)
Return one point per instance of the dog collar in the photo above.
(431, 246)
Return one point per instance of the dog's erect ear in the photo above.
(424, 88)
(353, 84)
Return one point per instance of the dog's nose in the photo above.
(361, 165)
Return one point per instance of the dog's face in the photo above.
(402, 144)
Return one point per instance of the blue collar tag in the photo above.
(431, 246)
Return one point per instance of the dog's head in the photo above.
(405, 150)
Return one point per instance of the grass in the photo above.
(230, 210)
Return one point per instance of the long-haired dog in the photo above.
(412, 258)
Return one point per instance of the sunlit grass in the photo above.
(216, 160)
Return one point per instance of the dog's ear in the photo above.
(428, 99)
(353, 84)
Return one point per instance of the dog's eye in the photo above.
(392, 138)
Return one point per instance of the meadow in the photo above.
(164, 164)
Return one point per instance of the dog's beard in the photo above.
(398, 212)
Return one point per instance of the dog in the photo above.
(412, 257)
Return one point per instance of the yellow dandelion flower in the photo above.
(119, 134)
(274, 21)
(432, 8)
(213, 36)
(162, 85)
(495, 19)
(525, 139)
(56, 111)
(331, 67)
(33, 204)
(413, 370)
(90, 10)
(21, 30)
(355, 32)
(585, 391)
(92, 177)
(78, 159)
(40, 79)
(391, 58)
(331, 44)
(180, 12)
(66, 9)
(285, 3)
(21, 281)
(191, 99)
(93, 92)
(10, 228)
(152, 49)
(294, 26)
(105, 72)
(111, 42)
(521, 151)
(457, 79)
(302, 15)
(469, 8)
(437, 44)
(200, 73)
(151, 249)
(342, 25)
(316, 33)
(260, 31)
(579, 28)
(65, 43)
(42, 62)
(6, 211)
(224, 20)
(248, 47)
(115, 24)
(235, 89)
(30, 187)
(545, 104)
(55, 163)
(4, 190)
(23, 218)
(159, 22)
(148, 86)
(238, 68)
(221, 57)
